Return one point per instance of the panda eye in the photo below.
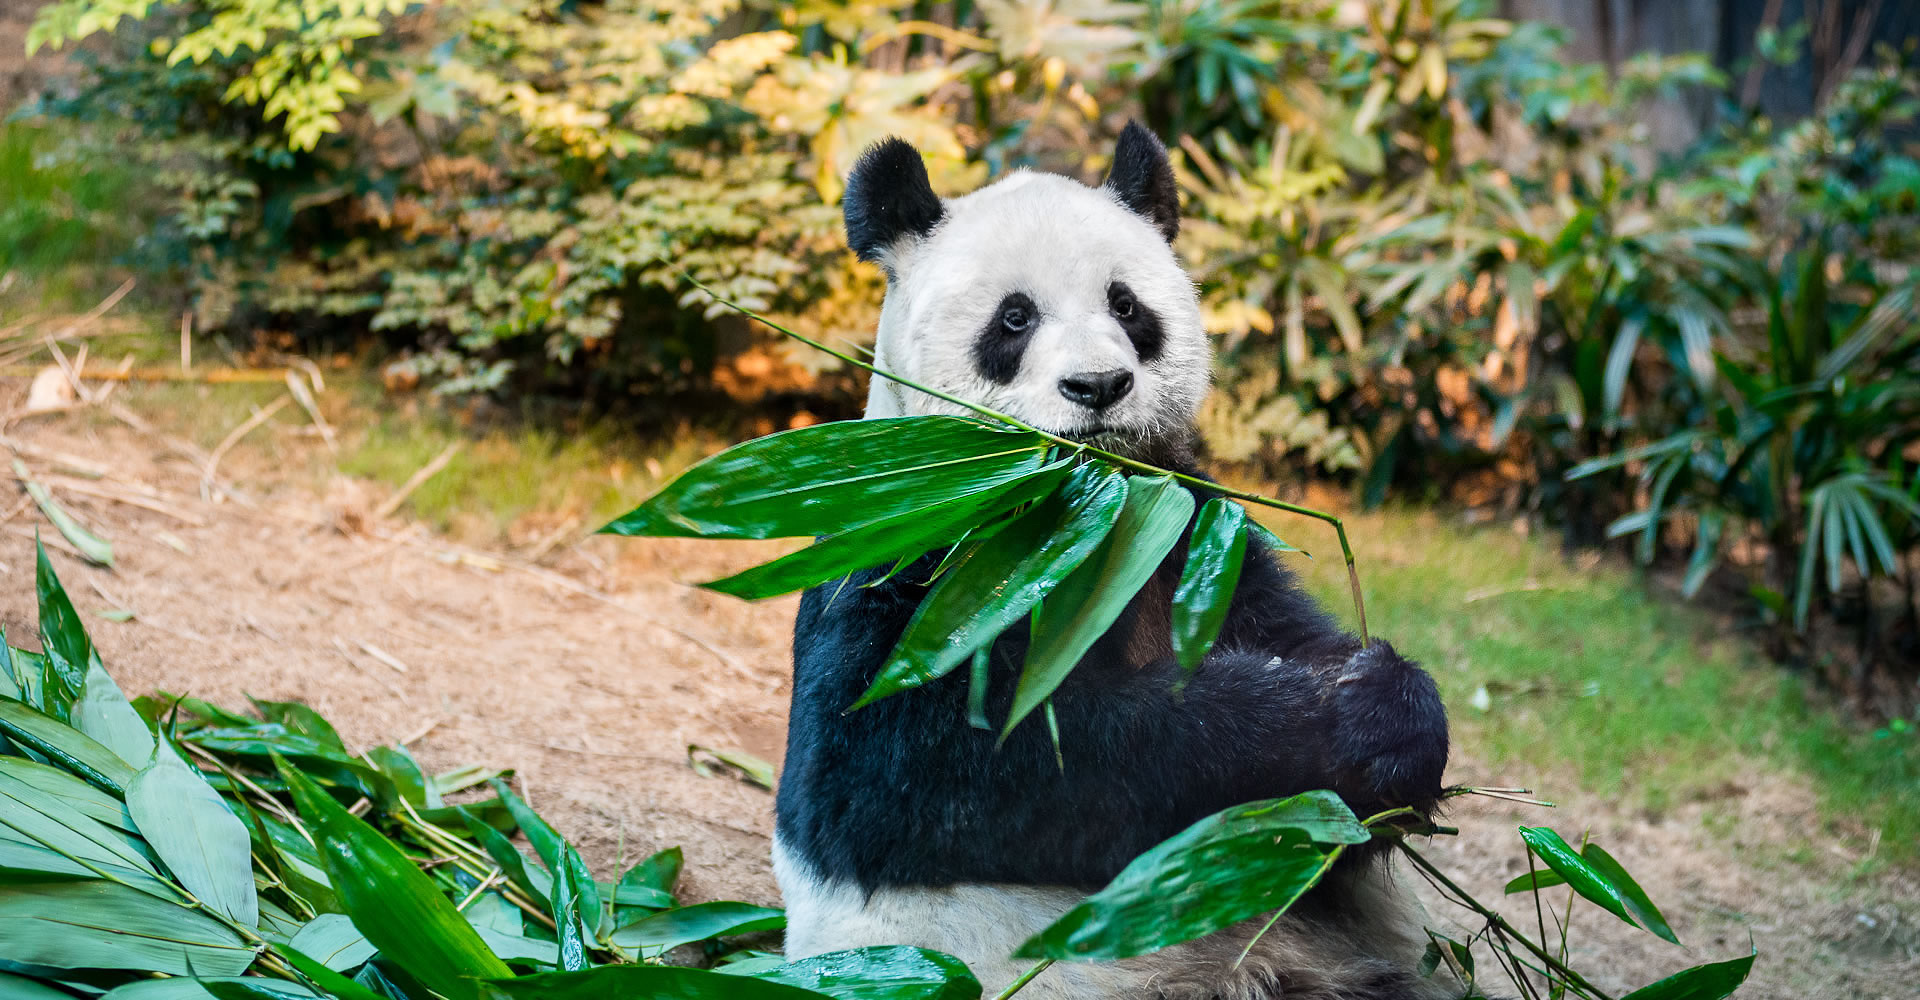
(1120, 301)
(1015, 317)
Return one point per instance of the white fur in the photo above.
(1062, 243)
(982, 925)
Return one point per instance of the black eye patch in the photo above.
(1142, 324)
(997, 351)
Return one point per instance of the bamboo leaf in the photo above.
(64, 745)
(1591, 884)
(95, 924)
(68, 650)
(391, 900)
(903, 536)
(331, 940)
(882, 973)
(664, 982)
(1635, 898)
(334, 983)
(1237, 863)
(1091, 597)
(830, 478)
(1014, 570)
(35, 818)
(553, 849)
(76, 794)
(104, 713)
(203, 844)
(1207, 582)
(91, 546)
(659, 933)
(1702, 982)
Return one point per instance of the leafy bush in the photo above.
(1438, 257)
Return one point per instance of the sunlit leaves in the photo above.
(203, 844)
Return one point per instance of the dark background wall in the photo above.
(1841, 36)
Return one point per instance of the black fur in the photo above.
(888, 198)
(1143, 178)
(904, 792)
(999, 347)
(1141, 323)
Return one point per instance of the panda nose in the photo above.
(1097, 390)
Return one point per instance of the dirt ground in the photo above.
(591, 675)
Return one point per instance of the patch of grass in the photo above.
(508, 476)
(61, 221)
(1584, 671)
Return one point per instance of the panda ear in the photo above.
(1143, 179)
(888, 198)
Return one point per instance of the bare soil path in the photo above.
(590, 677)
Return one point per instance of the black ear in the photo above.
(1143, 179)
(888, 197)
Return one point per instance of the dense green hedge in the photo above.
(1439, 258)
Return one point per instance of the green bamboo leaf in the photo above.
(248, 988)
(1091, 597)
(104, 713)
(203, 843)
(1235, 864)
(64, 745)
(391, 900)
(550, 846)
(519, 947)
(1635, 898)
(1620, 365)
(903, 536)
(1702, 982)
(659, 933)
(829, 478)
(34, 817)
(95, 924)
(654, 982)
(1207, 582)
(14, 987)
(1534, 882)
(534, 882)
(571, 920)
(333, 941)
(659, 871)
(95, 549)
(208, 988)
(67, 648)
(76, 794)
(1592, 886)
(1015, 570)
(332, 982)
(302, 719)
(883, 973)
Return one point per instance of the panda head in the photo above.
(1056, 303)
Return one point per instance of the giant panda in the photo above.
(1064, 305)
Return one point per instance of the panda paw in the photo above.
(1390, 736)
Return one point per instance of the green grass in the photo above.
(61, 221)
(1590, 676)
(509, 473)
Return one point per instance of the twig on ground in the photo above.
(304, 396)
(383, 656)
(415, 481)
(209, 482)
